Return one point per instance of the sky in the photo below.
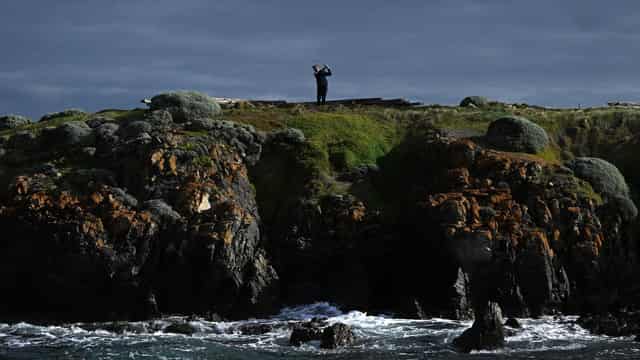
(96, 54)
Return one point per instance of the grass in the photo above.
(339, 140)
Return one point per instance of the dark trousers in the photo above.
(322, 94)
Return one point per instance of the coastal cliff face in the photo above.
(135, 214)
(132, 219)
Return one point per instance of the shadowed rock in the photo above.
(487, 332)
(337, 335)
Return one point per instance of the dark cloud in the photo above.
(95, 55)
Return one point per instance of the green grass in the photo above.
(339, 140)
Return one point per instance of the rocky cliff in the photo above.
(128, 215)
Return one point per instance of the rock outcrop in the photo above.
(487, 332)
(337, 335)
(151, 220)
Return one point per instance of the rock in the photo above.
(13, 121)
(620, 324)
(461, 297)
(70, 134)
(134, 129)
(159, 118)
(517, 134)
(185, 328)
(65, 113)
(605, 177)
(513, 323)
(474, 101)
(24, 140)
(186, 105)
(107, 132)
(201, 125)
(88, 151)
(303, 333)
(124, 197)
(98, 120)
(486, 333)
(336, 336)
(161, 211)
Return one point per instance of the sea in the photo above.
(378, 337)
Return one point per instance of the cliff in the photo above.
(438, 211)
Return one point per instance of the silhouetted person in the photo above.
(321, 72)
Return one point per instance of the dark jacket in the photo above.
(321, 77)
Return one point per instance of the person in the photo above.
(321, 72)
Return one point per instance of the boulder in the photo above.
(306, 331)
(474, 101)
(13, 121)
(337, 335)
(71, 134)
(65, 113)
(517, 134)
(186, 105)
(604, 177)
(486, 333)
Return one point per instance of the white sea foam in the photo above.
(374, 333)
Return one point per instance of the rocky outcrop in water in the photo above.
(487, 332)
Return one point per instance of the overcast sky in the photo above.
(110, 54)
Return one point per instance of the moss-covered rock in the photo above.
(13, 121)
(605, 177)
(186, 105)
(513, 133)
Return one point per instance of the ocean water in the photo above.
(378, 337)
